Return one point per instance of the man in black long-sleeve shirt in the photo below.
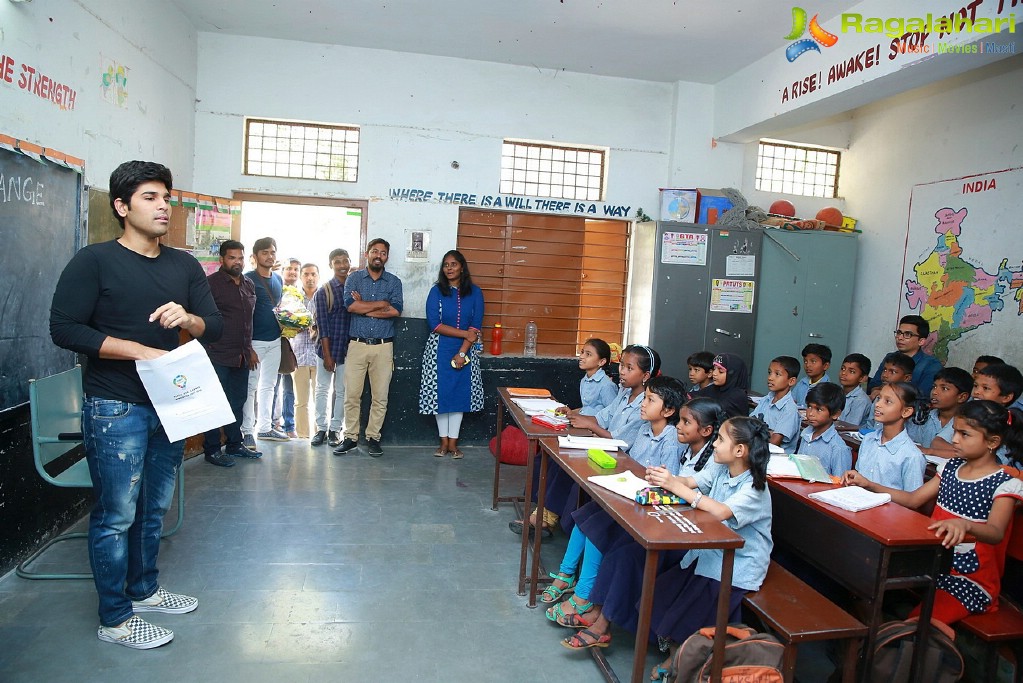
(232, 355)
(118, 302)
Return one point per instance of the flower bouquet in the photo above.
(291, 313)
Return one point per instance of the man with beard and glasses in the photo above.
(374, 299)
(232, 356)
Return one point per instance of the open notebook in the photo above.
(798, 466)
(851, 498)
(624, 484)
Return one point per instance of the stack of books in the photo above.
(552, 420)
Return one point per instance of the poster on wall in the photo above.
(417, 245)
(684, 248)
(731, 296)
(963, 269)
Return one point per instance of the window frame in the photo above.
(307, 126)
(534, 171)
(819, 176)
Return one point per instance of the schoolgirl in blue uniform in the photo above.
(656, 446)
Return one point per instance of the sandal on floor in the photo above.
(439, 453)
(552, 593)
(572, 619)
(457, 454)
(575, 642)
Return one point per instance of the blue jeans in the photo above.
(133, 468)
(284, 402)
(235, 382)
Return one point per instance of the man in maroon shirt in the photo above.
(232, 356)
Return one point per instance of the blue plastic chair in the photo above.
(55, 404)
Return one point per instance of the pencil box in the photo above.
(601, 458)
(655, 495)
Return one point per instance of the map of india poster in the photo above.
(963, 270)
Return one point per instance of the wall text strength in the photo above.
(502, 201)
(33, 81)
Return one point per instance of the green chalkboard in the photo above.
(40, 230)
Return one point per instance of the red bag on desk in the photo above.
(513, 446)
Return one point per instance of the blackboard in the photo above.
(40, 230)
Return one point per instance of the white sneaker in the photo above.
(167, 602)
(136, 633)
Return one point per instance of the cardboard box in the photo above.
(711, 205)
(678, 205)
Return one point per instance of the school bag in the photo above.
(896, 643)
(750, 657)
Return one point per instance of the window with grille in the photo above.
(539, 170)
(313, 151)
(567, 273)
(796, 169)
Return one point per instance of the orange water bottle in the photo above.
(495, 340)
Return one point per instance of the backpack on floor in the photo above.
(750, 657)
(896, 643)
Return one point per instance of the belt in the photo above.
(373, 340)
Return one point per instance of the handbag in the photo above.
(289, 362)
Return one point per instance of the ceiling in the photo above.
(702, 41)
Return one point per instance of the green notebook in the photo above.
(810, 467)
(806, 467)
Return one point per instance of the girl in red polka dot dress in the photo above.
(975, 498)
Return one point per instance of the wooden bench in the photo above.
(1001, 627)
(797, 613)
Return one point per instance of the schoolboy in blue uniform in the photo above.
(855, 369)
(701, 364)
(824, 404)
(952, 387)
(898, 367)
(777, 408)
(1001, 383)
(816, 361)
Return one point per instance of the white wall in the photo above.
(419, 113)
(67, 41)
(965, 125)
(835, 132)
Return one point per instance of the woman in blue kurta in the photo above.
(452, 382)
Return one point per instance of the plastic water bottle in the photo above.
(530, 348)
(495, 340)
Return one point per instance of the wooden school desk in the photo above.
(653, 533)
(534, 432)
(869, 552)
